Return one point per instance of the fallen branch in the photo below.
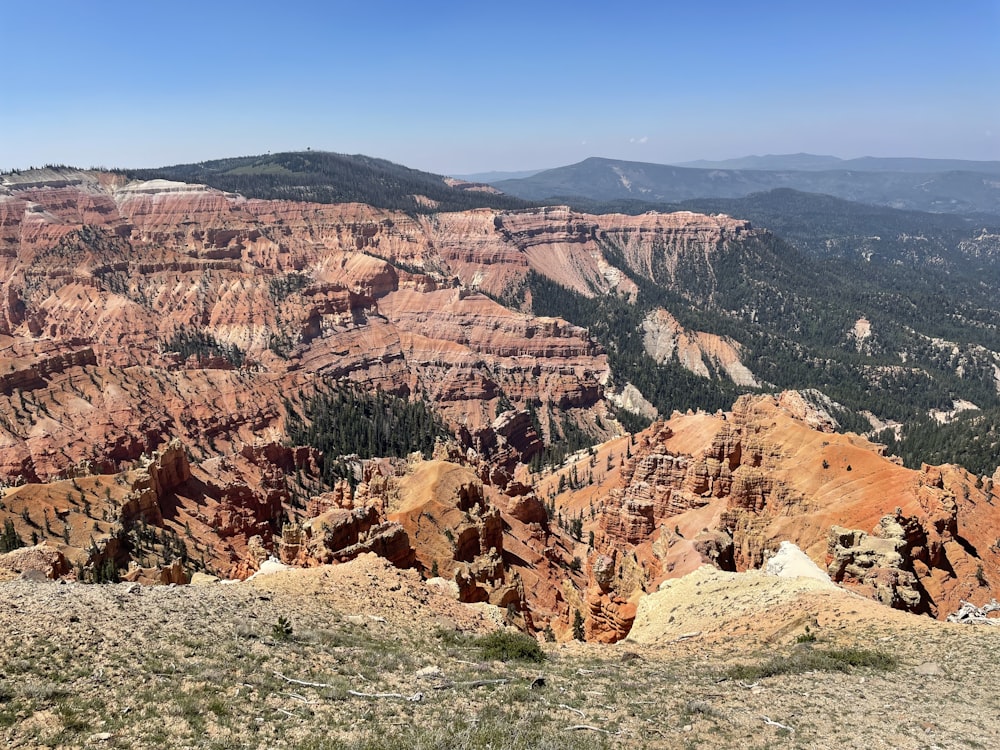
(298, 697)
(686, 636)
(970, 614)
(777, 724)
(302, 682)
(415, 698)
(589, 728)
(472, 684)
(567, 708)
(570, 708)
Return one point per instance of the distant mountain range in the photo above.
(821, 163)
(896, 183)
(948, 186)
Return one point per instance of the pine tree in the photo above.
(9, 539)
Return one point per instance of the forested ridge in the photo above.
(598, 179)
(971, 440)
(324, 177)
(792, 313)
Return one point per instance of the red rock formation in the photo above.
(164, 574)
(99, 277)
(727, 489)
(109, 272)
(167, 469)
(610, 611)
(442, 507)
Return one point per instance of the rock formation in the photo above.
(727, 489)
(155, 338)
(665, 339)
(102, 281)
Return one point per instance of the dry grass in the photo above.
(120, 667)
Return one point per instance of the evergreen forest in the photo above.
(340, 420)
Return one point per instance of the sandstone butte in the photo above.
(114, 449)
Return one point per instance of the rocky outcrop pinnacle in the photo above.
(728, 489)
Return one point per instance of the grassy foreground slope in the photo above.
(365, 656)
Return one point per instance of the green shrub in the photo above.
(807, 659)
(579, 631)
(282, 629)
(504, 645)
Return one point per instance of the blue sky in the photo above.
(458, 87)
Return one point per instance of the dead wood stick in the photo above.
(303, 682)
(567, 708)
(298, 697)
(589, 728)
(685, 636)
(574, 710)
(412, 698)
(415, 698)
(472, 684)
(484, 683)
(777, 724)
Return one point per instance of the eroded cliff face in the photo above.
(491, 545)
(665, 339)
(494, 251)
(135, 314)
(102, 280)
(165, 517)
(727, 489)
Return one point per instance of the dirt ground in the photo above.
(364, 655)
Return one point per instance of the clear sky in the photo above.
(459, 87)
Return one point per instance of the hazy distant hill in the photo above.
(324, 177)
(770, 161)
(496, 176)
(818, 163)
(609, 180)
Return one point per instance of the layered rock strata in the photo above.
(727, 489)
